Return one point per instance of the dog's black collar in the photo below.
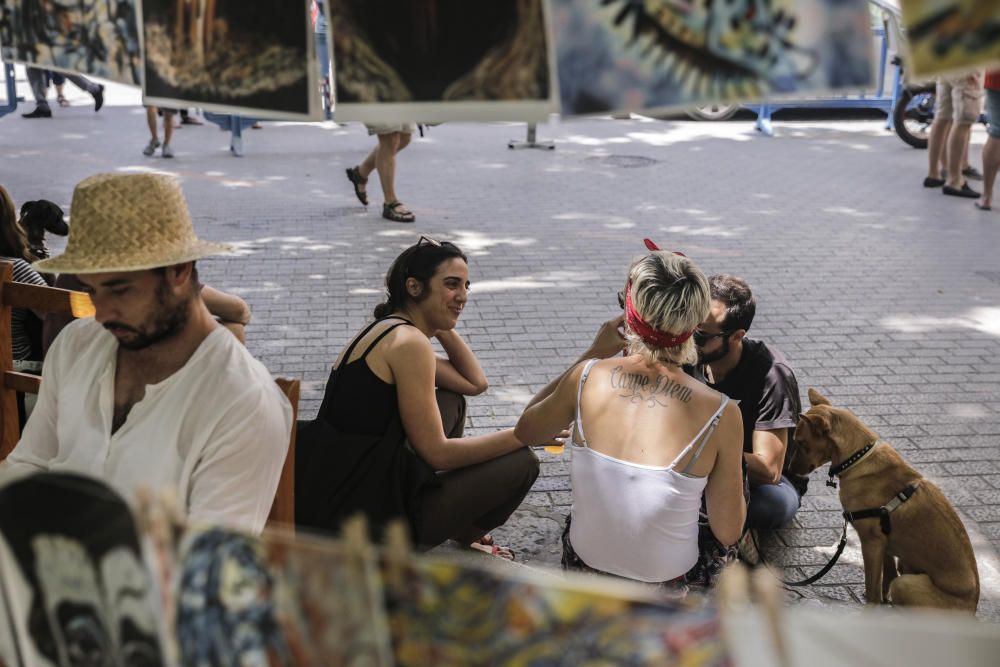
(837, 470)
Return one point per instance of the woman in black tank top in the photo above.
(387, 441)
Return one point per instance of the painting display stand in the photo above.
(531, 141)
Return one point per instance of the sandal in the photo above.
(494, 550)
(354, 176)
(397, 212)
(63, 102)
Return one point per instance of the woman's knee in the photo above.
(403, 141)
(389, 142)
(525, 465)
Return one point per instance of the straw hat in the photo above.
(128, 222)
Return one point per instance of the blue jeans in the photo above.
(772, 505)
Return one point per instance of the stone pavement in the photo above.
(882, 294)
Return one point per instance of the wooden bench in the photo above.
(78, 304)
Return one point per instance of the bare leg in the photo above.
(991, 162)
(168, 127)
(366, 167)
(385, 164)
(151, 122)
(958, 140)
(936, 147)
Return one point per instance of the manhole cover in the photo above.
(992, 276)
(623, 161)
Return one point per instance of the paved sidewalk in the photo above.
(882, 294)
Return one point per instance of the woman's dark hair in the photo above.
(13, 241)
(421, 262)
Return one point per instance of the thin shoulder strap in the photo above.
(354, 343)
(579, 395)
(706, 434)
(402, 322)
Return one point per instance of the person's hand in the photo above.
(558, 440)
(610, 339)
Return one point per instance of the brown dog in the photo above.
(936, 564)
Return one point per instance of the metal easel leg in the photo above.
(530, 142)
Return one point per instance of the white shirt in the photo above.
(215, 432)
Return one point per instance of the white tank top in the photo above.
(633, 520)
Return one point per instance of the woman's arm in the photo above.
(554, 411)
(413, 364)
(608, 342)
(460, 372)
(727, 508)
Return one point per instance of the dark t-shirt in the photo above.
(768, 396)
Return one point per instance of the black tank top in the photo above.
(360, 402)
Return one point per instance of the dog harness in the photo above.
(883, 512)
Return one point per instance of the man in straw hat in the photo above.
(153, 392)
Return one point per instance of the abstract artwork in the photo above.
(75, 584)
(275, 600)
(952, 36)
(440, 60)
(445, 612)
(91, 37)
(631, 55)
(232, 57)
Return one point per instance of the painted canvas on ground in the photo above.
(75, 584)
(636, 55)
(450, 613)
(440, 60)
(92, 37)
(231, 56)
(952, 36)
(276, 601)
(328, 601)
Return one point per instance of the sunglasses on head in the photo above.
(700, 337)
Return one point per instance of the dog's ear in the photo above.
(816, 422)
(816, 398)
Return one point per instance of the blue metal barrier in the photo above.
(11, 105)
(879, 100)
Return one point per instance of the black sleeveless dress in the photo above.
(354, 457)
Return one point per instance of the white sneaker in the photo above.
(167, 151)
(151, 147)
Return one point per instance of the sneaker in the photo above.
(151, 147)
(39, 112)
(167, 151)
(747, 548)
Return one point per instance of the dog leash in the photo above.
(814, 578)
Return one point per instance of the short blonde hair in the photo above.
(671, 294)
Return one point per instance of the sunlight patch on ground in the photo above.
(475, 242)
(985, 320)
(516, 395)
(140, 169)
(968, 410)
(705, 230)
(368, 290)
(560, 279)
(610, 221)
(285, 243)
(846, 210)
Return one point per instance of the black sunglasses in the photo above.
(700, 337)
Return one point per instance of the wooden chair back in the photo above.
(283, 509)
(39, 299)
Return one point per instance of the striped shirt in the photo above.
(23, 273)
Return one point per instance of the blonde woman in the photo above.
(648, 439)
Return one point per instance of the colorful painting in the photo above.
(328, 601)
(277, 601)
(656, 55)
(440, 60)
(75, 584)
(952, 36)
(223, 56)
(91, 37)
(449, 613)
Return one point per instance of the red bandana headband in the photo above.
(651, 335)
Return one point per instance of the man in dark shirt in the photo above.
(759, 378)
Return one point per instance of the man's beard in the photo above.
(714, 356)
(169, 320)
